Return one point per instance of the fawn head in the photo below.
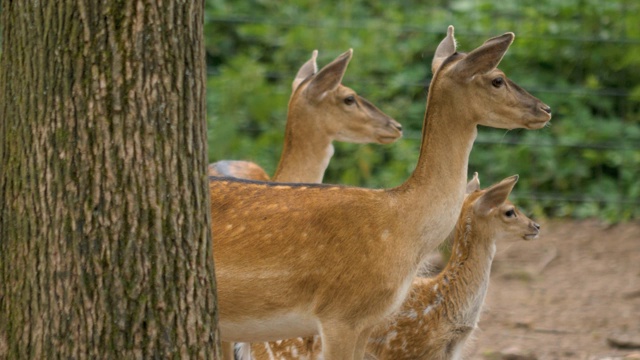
(324, 104)
(496, 215)
(473, 81)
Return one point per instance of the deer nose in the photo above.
(395, 124)
(536, 225)
(546, 109)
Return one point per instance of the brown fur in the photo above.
(439, 313)
(298, 259)
(317, 116)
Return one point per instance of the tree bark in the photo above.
(105, 244)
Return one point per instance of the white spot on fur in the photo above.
(243, 351)
(427, 310)
(272, 356)
(412, 314)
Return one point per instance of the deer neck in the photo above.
(434, 193)
(465, 279)
(305, 155)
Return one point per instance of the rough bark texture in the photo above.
(105, 249)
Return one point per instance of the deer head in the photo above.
(474, 82)
(326, 105)
(321, 110)
(497, 215)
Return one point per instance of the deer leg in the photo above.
(338, 341)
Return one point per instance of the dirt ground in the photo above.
(563, 295)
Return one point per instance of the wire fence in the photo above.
(623, 92)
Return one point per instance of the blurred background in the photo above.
(581, 57)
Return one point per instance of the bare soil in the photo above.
(565, 295)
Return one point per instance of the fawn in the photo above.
(448, 306)
(302, 259)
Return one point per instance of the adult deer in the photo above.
(321, 110)
(299, 259)
(440, 313)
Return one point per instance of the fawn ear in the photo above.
(329, 77)
(495, 196)
(307, 69)
(446, 48)
(486, 57)
(473, 184)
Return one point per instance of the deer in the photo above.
(297, 259)
(445, 310)
(321, 110)
(439, 314)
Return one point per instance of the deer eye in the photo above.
(497, 82)
(510, 213)
(349, 100)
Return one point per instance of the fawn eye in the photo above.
(349, 100)
(510, 213)
(497, 82)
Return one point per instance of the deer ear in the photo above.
(473, 184)
(486, 57)
(329, 77)
(495, 196)
(446, 48)
(307, 69)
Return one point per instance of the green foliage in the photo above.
(579, 57)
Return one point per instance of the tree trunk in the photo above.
(105, 244)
